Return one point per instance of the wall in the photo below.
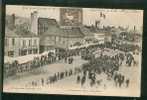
(18, 45)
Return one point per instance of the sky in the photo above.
(114, 17)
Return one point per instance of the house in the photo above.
(19, 40)
(20, 43)
(53, 36)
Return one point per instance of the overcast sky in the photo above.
(113, 17)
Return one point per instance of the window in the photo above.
(13, 41)
(11, 53)
(23, 52)
(35, 42)
(19, 52)
(29, 51)
(24, 43)
(30, 42)
(35, 51)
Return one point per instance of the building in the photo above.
(62, 34)
(44, 24)
(53, 36)
(18, 43)
(19, 40)
(103, 36)
(35, 34)
(68, 31)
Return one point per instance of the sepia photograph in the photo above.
(73, 51)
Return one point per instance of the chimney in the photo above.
(34, 22)
(12, 22)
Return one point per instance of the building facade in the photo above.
(21, 45)
(56, 37)
(19, 40)
(62, 34)
(36, 35)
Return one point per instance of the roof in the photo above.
(21, 28)
(18, 20)
(73, 32)
(10, 33)
(24, 33)
(18, 32)
(47, 21)
(55, 30)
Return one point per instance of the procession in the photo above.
(100, 59)
(79, 51)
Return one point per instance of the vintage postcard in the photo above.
(73, 51)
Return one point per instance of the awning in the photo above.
(21, 59)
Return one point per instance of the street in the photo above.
(70, 83)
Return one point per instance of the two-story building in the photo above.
(19, 40)
(20, 44)
(56, 37)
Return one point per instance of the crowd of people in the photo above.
(15, 67)
(108, 64)
(105, 63)
(55, 77)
